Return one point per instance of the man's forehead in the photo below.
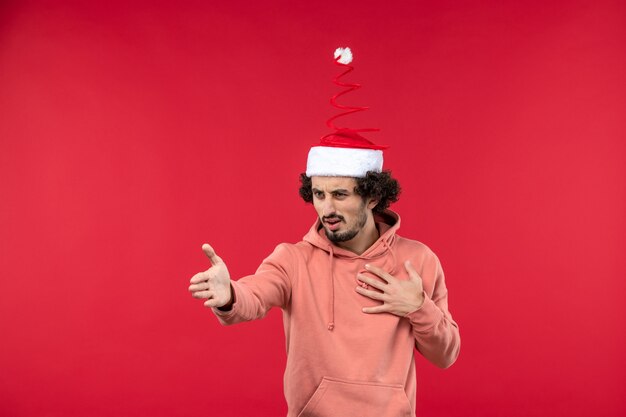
(333, 183)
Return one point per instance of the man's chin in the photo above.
(338, 237)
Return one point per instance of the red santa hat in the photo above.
(344, 153)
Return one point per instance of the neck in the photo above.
(364, 239)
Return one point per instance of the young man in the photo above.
(356, 297)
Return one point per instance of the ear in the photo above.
(372, 203)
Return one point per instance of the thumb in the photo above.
(208, 250)
(412, 272)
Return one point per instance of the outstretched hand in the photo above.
(399, 297)
(214, 283)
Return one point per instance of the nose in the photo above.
(328, 207)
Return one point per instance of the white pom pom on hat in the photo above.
(343, 55)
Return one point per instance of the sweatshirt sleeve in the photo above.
(255, 294)
(436, 334)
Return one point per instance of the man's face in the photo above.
(341, 210)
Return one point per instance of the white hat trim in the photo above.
(326, 161)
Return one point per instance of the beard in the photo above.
(349, 234)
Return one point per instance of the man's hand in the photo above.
(214, 283)
(397, 296)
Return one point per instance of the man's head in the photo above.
(344, 204)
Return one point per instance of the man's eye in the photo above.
(318, 194)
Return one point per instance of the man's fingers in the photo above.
(377, 309)
(199, 277)
(213, 303)
(203, 294)
(374, 295)
(208, 250)
(201, 286)
(411, 270)
(380, 272)
(371, 281)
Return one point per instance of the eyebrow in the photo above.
(338, 190)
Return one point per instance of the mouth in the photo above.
(332, 223)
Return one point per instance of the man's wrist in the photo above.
(229, 305)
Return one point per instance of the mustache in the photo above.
(333, 217)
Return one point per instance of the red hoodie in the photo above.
(341, 361)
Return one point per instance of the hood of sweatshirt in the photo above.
(387, 224)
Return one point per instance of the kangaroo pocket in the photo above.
(338, 398)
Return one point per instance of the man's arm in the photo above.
(250, 297)
(436, 334)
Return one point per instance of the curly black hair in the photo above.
(380, 186)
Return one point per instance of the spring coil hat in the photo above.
(344, 153)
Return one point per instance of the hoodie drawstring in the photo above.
(331, 254)
(394, 260)
(331, 323)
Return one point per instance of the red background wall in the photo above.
(130, 135)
